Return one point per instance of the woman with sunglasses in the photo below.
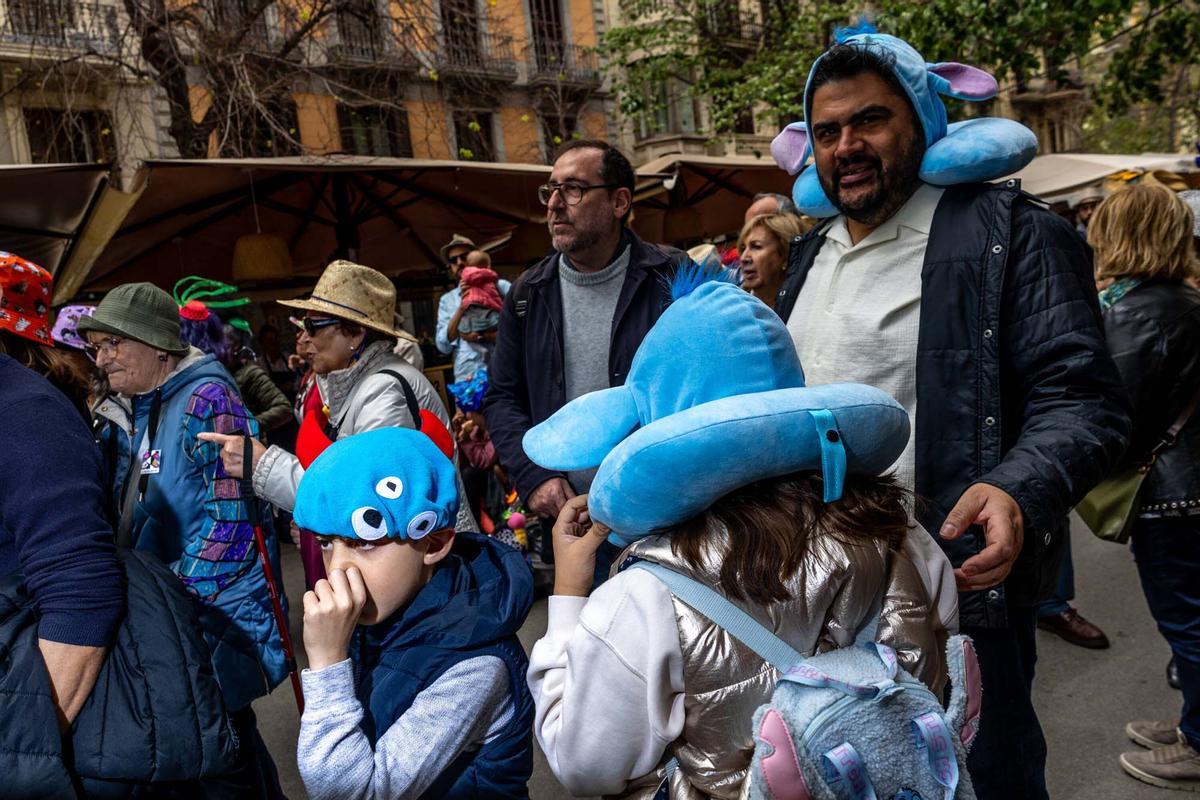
(347, 337)
(171, 497)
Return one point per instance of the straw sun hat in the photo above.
(356, 294)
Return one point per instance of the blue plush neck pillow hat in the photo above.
(978, 149)
(715, 400)
(389, 483)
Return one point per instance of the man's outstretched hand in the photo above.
(1003, 530)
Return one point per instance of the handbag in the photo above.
(1110, 509)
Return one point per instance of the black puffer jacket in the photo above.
(1015, 386)
(1154, 336)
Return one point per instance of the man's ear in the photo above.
(622, 200)
(437, 545)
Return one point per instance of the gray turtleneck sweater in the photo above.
(589, 303)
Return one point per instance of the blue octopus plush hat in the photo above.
(387, 483)
(978, 149)
(715, 400)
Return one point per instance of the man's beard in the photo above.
(893, 188)
(580, 240)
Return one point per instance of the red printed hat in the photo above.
(25, 293)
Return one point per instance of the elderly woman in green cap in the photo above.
(171, 495)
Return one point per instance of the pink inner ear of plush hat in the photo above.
(790, 148)
(965, 82)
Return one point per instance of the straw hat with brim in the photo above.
(715, 400)
(356, 294)
(139, 311)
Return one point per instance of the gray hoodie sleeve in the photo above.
(467, 705)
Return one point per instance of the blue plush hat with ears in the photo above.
(387, 483)
(715, 400)
(975, 150)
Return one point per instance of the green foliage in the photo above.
(1128, 51)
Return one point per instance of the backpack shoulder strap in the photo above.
(520, 293)
(410, 397)
(736, 622)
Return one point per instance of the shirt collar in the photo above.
(916, 214)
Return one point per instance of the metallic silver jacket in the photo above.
(834, 594)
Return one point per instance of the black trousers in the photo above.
(1008, 758)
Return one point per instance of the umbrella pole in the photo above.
(254, 512)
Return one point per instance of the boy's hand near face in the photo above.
(331, 611)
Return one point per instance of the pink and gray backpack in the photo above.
(849, 724)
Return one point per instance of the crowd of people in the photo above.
(838, 457)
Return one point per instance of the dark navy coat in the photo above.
(1015, 385)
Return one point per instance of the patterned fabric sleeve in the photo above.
(225, 546)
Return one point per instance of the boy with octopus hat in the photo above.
(416, 680)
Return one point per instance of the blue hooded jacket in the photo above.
(200, 530)
(473, 606)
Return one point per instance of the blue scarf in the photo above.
(1110, 296)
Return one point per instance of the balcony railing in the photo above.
(62, 24)
(731, 24)
(559, 62)
(476, 54)
(364, 37)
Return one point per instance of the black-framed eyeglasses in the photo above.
(108, 345)
(572, 191)
(311, 326)
(461, 257)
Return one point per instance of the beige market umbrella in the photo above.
(699, 198)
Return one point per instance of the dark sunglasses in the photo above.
(311, 326)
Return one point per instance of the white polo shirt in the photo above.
(858, 314)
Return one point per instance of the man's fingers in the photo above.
(963, 515)
(985, 580)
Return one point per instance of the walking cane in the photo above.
(254, 512)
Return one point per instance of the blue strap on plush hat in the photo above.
(387, 483)
(979, 149)
(715, 400)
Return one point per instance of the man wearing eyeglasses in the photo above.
(572, 323)
(469, 355)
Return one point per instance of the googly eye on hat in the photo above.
(392, 483)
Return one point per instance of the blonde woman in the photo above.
(1142, 237)
(763, 247)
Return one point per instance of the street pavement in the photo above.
(1084, 697)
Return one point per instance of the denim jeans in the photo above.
(1008, 758)
(1167, 552)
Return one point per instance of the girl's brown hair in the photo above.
(772, 522)
(1143, 231)
(58, 368)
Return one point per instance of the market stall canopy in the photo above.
(54, 214)
(699, 198)
(298, 213)
(1052, 176)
